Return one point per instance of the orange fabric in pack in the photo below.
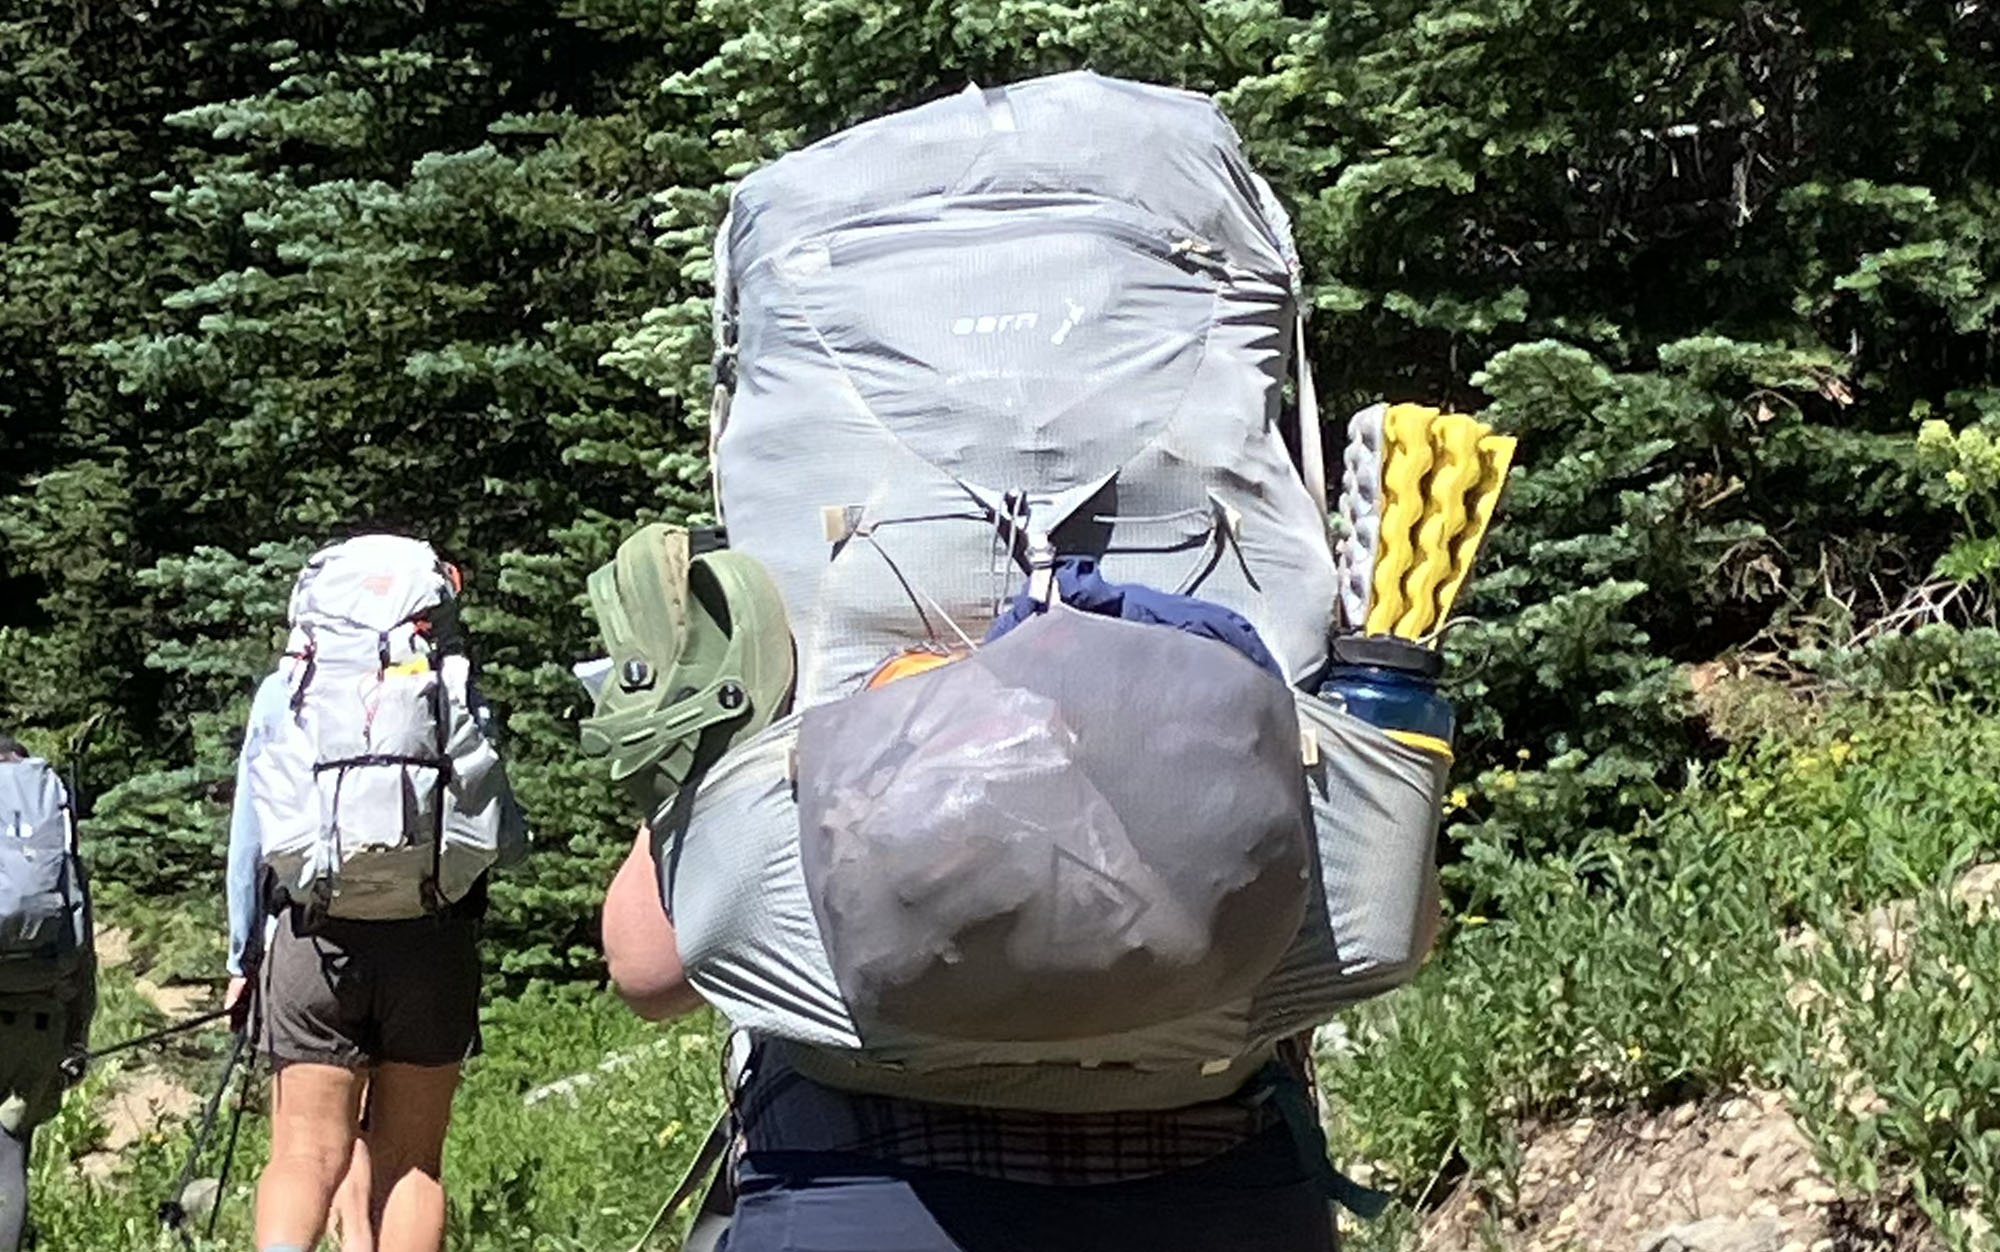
(905, 664)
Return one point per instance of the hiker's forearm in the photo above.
(675, 1001)
(639, 943)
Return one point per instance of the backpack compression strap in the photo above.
(1312, 455)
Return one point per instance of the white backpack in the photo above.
(378, 795)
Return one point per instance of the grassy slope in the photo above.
(1656, 968)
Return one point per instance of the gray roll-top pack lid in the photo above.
(1171, 153)
(361, 595)
(34, 804)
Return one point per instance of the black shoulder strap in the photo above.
(441, 703)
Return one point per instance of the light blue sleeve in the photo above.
(246, 912)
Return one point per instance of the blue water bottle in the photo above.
(1392, 684)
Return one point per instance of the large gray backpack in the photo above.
(1094, 864)
(44, 896)
(378, 794)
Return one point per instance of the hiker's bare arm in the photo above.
(639, 940)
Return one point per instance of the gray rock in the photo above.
(200, 1196)
(1716, 1234)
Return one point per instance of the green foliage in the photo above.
(1654, 966)
(1946, 663)
(1963, 468)
(1890, 1055)
(584, 1171)
(71, 1211)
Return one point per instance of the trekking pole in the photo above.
(79, 744)
(229, 1152)
(706, 1159)
(172, 1214)
(73, 1066)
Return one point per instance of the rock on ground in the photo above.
(1737, 1175)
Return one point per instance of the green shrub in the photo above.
(1890, 1057)
(1657, 966)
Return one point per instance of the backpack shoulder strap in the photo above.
(68, 794)
(1312, 455)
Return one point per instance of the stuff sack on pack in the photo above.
(379, 794)
(44, 898)
(1092, 864)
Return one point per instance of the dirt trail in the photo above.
(1742, 1167)
(144, 1098)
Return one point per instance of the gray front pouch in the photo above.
(1086, 827)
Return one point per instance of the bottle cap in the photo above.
(1388, 652)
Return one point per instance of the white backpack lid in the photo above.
(371, 583)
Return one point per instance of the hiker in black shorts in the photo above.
(1029, 871)
(369, 807)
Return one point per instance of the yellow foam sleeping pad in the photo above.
(1442, 474)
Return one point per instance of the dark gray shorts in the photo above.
(357, 994)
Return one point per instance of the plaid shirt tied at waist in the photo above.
(782, 1111)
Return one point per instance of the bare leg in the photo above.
(14, 1186)
(407, 1121)
(315, 1110)
(351, 1216)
